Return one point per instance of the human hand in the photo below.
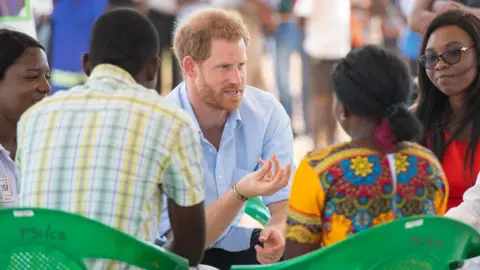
(264, 182)
(273, 246)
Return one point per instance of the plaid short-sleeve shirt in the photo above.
(108, 150)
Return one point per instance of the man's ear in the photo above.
(153, 68)
(189, 66)
(87, 66)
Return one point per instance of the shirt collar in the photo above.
(234, 118)
(113, 72)
(4, 151)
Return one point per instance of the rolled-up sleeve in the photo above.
(279, 141)
(183, 176)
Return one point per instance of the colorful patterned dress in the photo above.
(345, 189)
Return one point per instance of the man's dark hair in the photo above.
(124, 38)
(121, 3)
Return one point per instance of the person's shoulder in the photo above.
(425, 161)
(50, 103)
(161, 108)
(261, 103)
(422, 152)
(256, 95)
(323, 158)
(418, 148)
(125, 98)
(174, 95)
(166, 108)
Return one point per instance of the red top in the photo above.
(459, 179)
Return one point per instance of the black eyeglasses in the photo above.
(450, 56)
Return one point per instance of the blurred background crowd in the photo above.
(290, 41)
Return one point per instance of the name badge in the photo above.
(6, 191)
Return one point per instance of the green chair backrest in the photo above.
(36, 238)
(257, 210)
(421, 243)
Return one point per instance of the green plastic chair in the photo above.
(424, 243)
(257, 210)
(45, 239)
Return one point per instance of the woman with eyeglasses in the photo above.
(449, 103)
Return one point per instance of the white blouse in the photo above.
(8, 184)
(469, 210)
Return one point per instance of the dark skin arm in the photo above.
(380, 7)
(424, 11)
(188, 228)
(421, 15)
(295, 249)
(474, 11)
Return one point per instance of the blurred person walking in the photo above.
(327, 40)
(163, 14)
(289, 38)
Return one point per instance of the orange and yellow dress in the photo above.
(345, 189)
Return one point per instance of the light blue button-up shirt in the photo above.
(259, 128)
